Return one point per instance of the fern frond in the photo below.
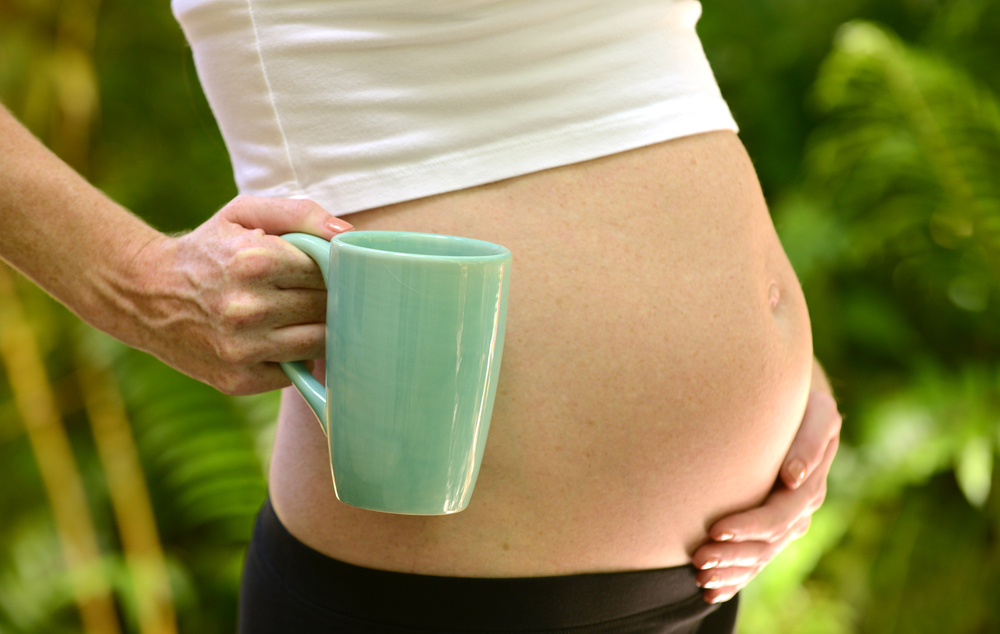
(910, 151)
(198, 447)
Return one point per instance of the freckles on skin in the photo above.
(245, 254)
(240, 307)
(253, 263)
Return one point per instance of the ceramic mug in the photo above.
(414, 336)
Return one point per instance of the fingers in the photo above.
(736, 576)
(300, 342)
(725, 583)
(297, 270)
(246, 319)
(820, 424)
(289, 343)
(278, 216)
(254, 369)
(781, 510)
(236, 299)
(264, 377)
(745, 542)
(726, 567)
(263, 263)
(720, 555)
(287, 267)
(283, 308)
(301, 306)
(719, 595)
(717, 556)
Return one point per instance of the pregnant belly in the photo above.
(656, 367)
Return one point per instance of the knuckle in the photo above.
(228, 388)
(254, 263)
(234, 384)
(303, 208)
(244, 200)
(228, 354)
(837, 422)
(818, 489)
(761, 528)
(758, 530)
(238, 312)
(829, 408)
(781, 530)
(819, 498)
(803, 528)
(240, 203)
(704, 555)
(835, 414)
(834, 444)
(824, 400)
(772, 551)
(231, 351)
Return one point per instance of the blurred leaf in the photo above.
(198, 446)
(924, 429)
(975, 470)
(813, 237)
(911, 144)
(31, 590)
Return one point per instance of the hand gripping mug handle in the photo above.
(311, 390)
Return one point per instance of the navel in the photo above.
(773, 295)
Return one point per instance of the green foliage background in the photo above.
(875, 128)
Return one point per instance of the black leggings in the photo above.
(289, 587)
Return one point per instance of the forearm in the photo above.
(222, 304)
(68, 237)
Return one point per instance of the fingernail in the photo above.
(713, 582)
(721, 598)
(725, 537)
(337, 225)
(797, 469)
(711, 563)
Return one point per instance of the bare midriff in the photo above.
(656, 367)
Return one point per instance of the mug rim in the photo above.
(490, 251)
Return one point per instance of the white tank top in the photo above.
(361, 103)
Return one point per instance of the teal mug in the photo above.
(414, 338)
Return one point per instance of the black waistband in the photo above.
(467, 603)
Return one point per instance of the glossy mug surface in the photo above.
(415, 327)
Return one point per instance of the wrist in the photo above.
(128, 289)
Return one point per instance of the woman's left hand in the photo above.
(742, 544)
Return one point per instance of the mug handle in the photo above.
(311, 389)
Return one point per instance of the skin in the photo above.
(222, 304)
(227, 301)
(688, 362)
(742, 544)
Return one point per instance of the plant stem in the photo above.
(35, 401)
(130, 498)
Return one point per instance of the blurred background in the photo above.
(127, 490)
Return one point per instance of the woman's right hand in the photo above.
(222, 304)
(227, 301)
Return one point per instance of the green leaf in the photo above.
(974, 470)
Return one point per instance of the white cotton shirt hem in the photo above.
(359, 104)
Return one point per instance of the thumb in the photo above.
(820, 425)
(278, 216)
